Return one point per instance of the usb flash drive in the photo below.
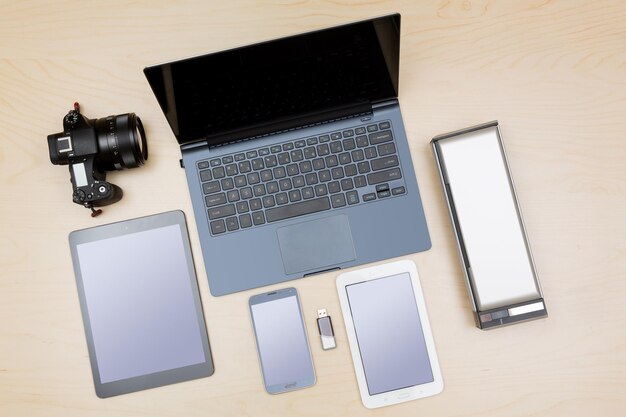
(325, 326)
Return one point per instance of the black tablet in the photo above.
(140, 304)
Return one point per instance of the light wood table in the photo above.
(552, 72)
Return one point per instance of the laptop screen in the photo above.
(280, 84)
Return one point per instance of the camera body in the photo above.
(91, 147)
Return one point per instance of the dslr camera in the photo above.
(91, 147)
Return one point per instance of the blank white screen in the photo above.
(140, 303)
(389, 333)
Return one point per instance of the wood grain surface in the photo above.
(552, 72)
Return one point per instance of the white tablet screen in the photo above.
(140, 303)
(389, 333)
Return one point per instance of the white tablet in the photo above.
(390, 339)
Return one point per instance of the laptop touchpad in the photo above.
(316, 245)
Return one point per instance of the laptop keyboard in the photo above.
(299, 177)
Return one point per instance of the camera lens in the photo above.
(121, 142)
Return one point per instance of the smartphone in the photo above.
(281, 341)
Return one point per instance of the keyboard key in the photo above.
(350, 170)
(206, 175)
(294, 195)
(321, 190)
(306, 166)
(386, 149)
(251, 154)
(309, 153)
(272, 187)
(242, 207)
(287, 146)
(382, 187)
(298, 181)
(384, 125)
(348, 133)
(245, 167)
(245, 192)
(240, 181)
(348, 144)
(285, 184)
(231, 170)
(369, 197)
(332, 161)
(218, 172)
(337, 173)
(266, 175)
(359, 130)
(324, 138)
(344, 158)
(232, 224)
(347, 184)
(218, 227)
(360, 181)
(334, 187)
(380, 137)
(318, 164)
(254, 178)
(311, 179)
(276, 148)
(270, 161)
(398, 191)
(384, 162)
(258, 218)
(283, 158)
(216, 162)
(370, 152)
(257, 164)
(324, 175)
(335, 147)
(300, 144)
(228, 184)
(307, 192)
(233, 195)
(211, 187)
(264, 152)
(311, 141)
(245, 221)
(203, 164)
(358, 155)
(282, 198)
(298, 209)
(293, 170)
(384, 176)
(383, 194)
(352, 197)
(268, 201)
(215, 199)
(255, 204)
(221, 211)
(335, 136)
(372, 128)
(362, 142)
(240, 157)
(297, 155)
(338, 200)
(227, 160)
(258, 190)
(323, 149)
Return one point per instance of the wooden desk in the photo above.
(552, 72)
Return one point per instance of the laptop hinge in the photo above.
(385, 103)
(329, 116)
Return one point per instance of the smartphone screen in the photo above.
(282, 341)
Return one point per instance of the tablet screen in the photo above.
(389, 333)
(140, 303)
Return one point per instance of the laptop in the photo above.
(295, 153)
